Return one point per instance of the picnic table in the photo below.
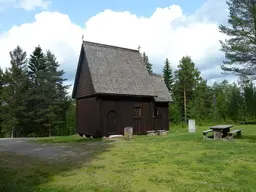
(221, 131)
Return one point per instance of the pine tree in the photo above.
(1, 84)
(146, 61)
(235, 104)
(175, 112)
(249, 94)
(14, 93)
(57, 95)
(71, 118)
(48, 94)
(240, 47)
(223, 92)
(186, 78)
(38, 92)
(200, 105)
(1, 100)
(168, 76)
(37, 65)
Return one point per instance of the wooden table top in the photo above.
(221, 126)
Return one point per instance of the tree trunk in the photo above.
(12, 135)
(185, 104)
(50, 132)
(50, 129)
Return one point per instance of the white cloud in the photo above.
(28, 5)
(52, 31)
(168, 33)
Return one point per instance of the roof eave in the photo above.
(127, 95)
(77, 74)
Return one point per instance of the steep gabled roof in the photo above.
(163, 94)
(106, 69)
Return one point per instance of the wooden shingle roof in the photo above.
(163, 94)
(106, 69)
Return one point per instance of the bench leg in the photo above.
(218, 135)
(205, 135)
(230, 136)
(239, 134)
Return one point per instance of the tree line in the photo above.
(193, 99)
(221, 102)
(33, 98)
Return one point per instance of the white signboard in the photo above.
(191, 126)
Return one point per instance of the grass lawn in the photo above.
(177, 162)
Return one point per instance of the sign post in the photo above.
(191, 126)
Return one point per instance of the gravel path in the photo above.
(47, 151)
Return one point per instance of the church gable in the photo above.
(83, 84)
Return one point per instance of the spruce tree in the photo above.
(168, 76)
(1, 84)
(222, 95)
(249, 94)
(186, 78)
(14, 93)
(240, 47)
(38, 92)
(146, 61)
(57, 94)
(200, 106)
(48, 94)
(235, 104)
(71, 118)
(1, 100)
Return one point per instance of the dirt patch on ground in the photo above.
(22, 146)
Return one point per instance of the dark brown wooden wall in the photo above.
(87, 116)
(162, 120)
(124, 108)
(96, 115)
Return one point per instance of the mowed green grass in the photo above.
(180, 161)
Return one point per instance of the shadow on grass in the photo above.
(64, 139)
(249, 138)
(26, 173)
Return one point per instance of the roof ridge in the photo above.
(156, 75)
(107, 45)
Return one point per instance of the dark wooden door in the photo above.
(137, 126)
(112, 123)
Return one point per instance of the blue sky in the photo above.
(81, 10)
(164, 29)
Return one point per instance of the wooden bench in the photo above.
(161, 132)
(237, 131)
(206, 132)
(151, 133)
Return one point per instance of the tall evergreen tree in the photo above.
(200, 106)
(243, 81)
(1, 84)
(71, 119)
(168, 75)
(48, 94)
(240, 47)
(235, 104)
(223, 93)
(249, 94)
(1, 79)
(175, 112)
(1, 100)
(186, 78)
(57, 95)
(146, 61)
(14, 94)
(39, 77)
